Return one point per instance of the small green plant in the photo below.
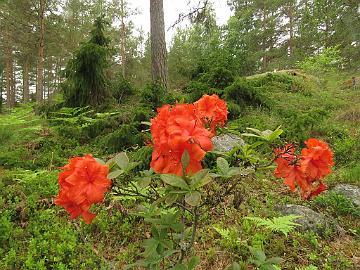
(262, 262)
(229, 237)
(283, 224)
(337, 204)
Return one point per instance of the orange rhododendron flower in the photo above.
(212, 111)
(181, 127)
(317, 159)
(306, 170)
(174, 130)
(82, 182)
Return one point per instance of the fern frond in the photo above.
(283, 224)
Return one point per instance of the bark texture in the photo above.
(26, 90)
(41, 47)
(158, 44)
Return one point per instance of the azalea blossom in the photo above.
(82, 182)
(306, 170)
(212, 111)
(174, 130)
(183, 127)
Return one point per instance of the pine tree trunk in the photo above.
(13, 84)
(291, 30)
(158, 44)
(26, 90)
(123, 56)
(40, 66)
(264, 45)
(8, 72)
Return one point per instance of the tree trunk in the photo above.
(291, 29)
(8, 74)
(264, 45)
(10, 89)
(123, 56)
(13, 83)
(158, 44)
(26, 90)
(40, 66)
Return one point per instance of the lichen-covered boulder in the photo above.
(309, 220)
(226, 142)
(351, 192)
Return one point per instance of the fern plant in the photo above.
(283, 224)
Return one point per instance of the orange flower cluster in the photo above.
(83, 182)
(212, 111)
(181, 127)
(306, 170)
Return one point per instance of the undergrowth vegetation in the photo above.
(244, 231)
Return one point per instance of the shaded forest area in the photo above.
(38, 38)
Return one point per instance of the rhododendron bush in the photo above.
(178, 190)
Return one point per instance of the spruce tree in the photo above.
(86, 82)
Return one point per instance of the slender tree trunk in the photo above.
(8, 72)
(291, 30)
(158, 44)
(49, 80)
(123, 40)
(40, 66)
(9, 77)
(264, 47)
(13, 83)
(25, 75)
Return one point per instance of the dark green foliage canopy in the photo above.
(86, 81)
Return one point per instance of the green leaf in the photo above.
(201, 178)
(179, 267)
(100, 161)
(234, 266)
(258, 132)
(277, 132)
(122, 160)
(144, 182)
(185, 159)
(274, 260)
(115, 174)
(258, 254)
(193, 198)
(175, 181)
(223, 165)
(193, 262)
(171, 198)
(250, 135)
(131, 166)
(150, 247)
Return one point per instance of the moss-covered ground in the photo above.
(35, 234)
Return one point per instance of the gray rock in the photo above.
(226, 142)
(309, 220)
(349, 191)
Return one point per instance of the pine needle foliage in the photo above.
(86, 83)
(283, 224)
